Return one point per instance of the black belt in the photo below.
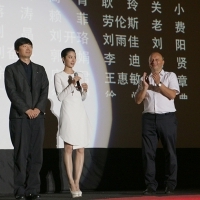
(168, 113)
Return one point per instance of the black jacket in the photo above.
(19, 92)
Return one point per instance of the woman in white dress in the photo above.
(74, 127)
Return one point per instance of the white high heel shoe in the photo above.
(80, 193)
(74, 194)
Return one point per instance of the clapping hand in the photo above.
(145, 81)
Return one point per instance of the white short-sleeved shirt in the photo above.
(154, 101)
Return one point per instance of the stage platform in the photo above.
(117, 195)
(107, 174)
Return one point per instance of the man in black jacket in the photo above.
(26, 85)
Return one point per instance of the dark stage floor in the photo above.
(92, 195)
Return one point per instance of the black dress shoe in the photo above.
(19, 197)
(33, 196)
(149, 191)
(169, 190)
(37, 196)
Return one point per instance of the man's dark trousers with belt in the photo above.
(163, 127)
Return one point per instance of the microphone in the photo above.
(78, 83)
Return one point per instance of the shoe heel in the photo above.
(74, 194)
(80, 193)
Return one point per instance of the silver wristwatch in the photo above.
(159, 84)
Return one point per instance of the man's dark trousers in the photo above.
(27, 136)
(163, 127)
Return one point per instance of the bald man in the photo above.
(157, 91)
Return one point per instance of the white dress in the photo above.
(74, 126)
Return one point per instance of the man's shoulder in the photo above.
(35, 64)
(39, 67)
(169, 73)
(170, 76)
(12, 65)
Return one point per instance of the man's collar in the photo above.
(23, 63)
(162, 72)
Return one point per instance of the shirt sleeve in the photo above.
(60, 92)
(173, 83)
(17, 101)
